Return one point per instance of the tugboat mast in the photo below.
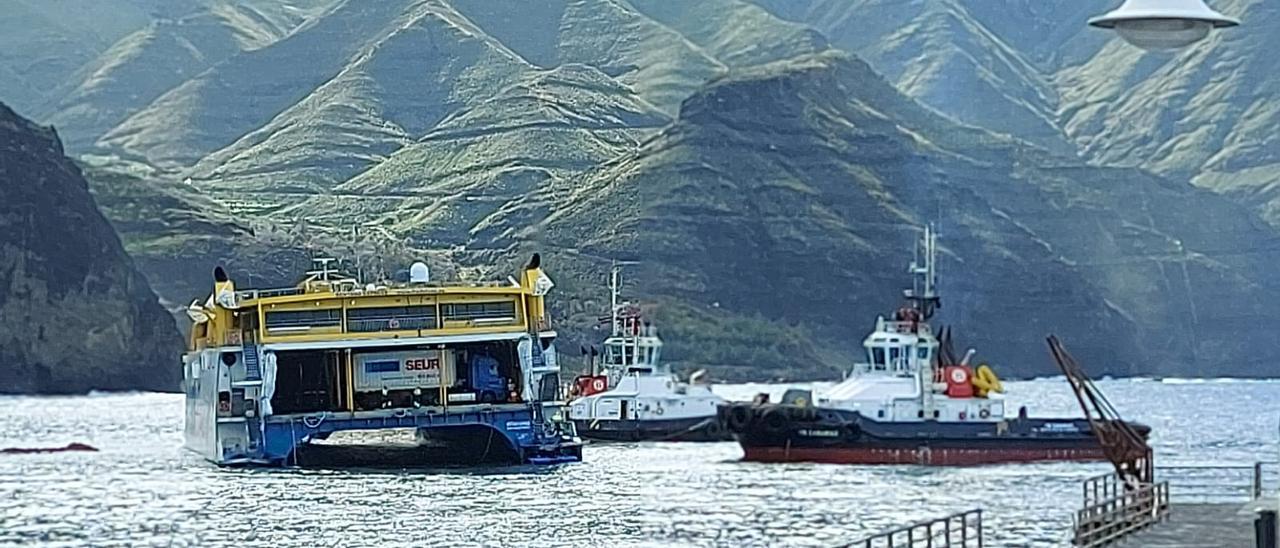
(923, 294)
(615, 283)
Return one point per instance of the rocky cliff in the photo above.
(75, 315)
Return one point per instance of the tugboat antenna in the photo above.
(924, 283)
(615, 283)
(615, 292)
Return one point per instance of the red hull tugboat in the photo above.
(911, 403)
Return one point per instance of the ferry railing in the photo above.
(962, 529)
(1113, 510)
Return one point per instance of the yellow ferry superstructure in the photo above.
(471, 367)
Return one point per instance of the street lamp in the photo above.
(1163, 24)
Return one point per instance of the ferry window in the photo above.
(479, 311)
(382, 366)
(923, 353)
(877, 358)
(329, 317)
(549, 387)
(895, 354)
(391, 318)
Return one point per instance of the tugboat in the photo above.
(912, 402)
(469, 368)
(638, 398)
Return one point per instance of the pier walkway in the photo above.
(1204, 525)
(1200, 506)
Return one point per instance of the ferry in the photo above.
(911, 402)
(469, 368)
(637, 397)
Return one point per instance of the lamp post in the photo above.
(1163, 24)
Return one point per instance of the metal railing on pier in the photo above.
(1113, 510)
(959, 530)
(1221, 483)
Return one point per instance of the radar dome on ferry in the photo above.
(419, 273)
(1163, 24)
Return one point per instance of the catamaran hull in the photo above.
(495, 434)
(787, 433)
(692, 429)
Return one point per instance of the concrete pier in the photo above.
(1200, 526)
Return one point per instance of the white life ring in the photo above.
(393, 323)
(598, 385)
(958, 375)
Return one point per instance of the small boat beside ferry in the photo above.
(911, 402)
(469, 368)
(637, 397)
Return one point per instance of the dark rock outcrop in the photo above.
(75, 315)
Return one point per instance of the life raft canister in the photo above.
(588, 385)
(959, 381)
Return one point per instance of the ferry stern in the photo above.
(469, 368)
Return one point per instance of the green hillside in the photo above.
(766, 162)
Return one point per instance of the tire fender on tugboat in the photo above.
(775, 420)
(737, 418)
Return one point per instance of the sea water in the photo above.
(143, 489)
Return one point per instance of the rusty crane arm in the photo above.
(1123, 445)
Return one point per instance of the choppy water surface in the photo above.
(143, 489)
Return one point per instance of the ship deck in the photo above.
(390, 417)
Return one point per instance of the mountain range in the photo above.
(766, 163)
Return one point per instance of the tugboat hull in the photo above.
(923, 454)
(788, 433)
(687, 429)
